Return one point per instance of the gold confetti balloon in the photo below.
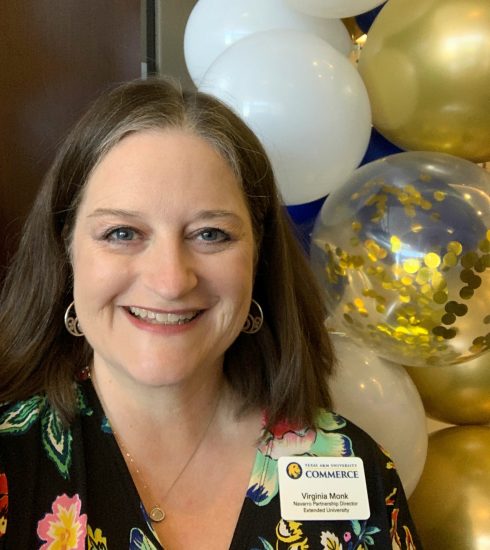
(425, 65)
(403, 253)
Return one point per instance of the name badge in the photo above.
(322, 488)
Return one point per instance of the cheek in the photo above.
(95, 277)
(236, 281)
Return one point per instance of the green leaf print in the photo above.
(20, 417)
(329, 421)
(139, 541)
(56, 441)
(265, 544)
(356, 527)
(82, 406)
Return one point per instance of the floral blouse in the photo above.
(63, 489)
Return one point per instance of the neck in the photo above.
(178, 412)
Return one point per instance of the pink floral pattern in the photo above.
(288, 439)
(65, 528)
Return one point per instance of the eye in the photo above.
(121, 234)
(212, 234)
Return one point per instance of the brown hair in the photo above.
(282, 369)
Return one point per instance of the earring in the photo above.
(71, 321)
(254, 324)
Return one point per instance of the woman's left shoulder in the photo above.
(352, 441)
(332, 422)
(386, 493)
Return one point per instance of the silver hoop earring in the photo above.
(71, 321)
(254, 323)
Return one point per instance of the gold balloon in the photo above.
(456, 394)
(426, 66)
(451, 504)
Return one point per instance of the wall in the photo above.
(56, 56)
(172, 17)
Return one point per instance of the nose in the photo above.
(168, 269)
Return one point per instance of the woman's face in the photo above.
(163, 258)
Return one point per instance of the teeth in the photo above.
(163, 318)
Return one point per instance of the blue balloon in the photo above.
(379, 147)
(365, 20)
(303, 217)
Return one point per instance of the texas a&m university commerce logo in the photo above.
(294, 470)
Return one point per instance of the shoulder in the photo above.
(32, 424)
(25, 428)
(356, 442)
(332, 435)
(17, 418)
(332, 426)
(39, 461)
(330, 421)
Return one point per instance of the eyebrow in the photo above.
(216, 214)
(200, 215)
(114, 212)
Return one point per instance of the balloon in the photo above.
(334, 8)
(365, 20)
(381, 399)
(213, 25)
(379, 147)
(451, 504)
(403, 253)
(426, 67)
(304, 100)
(303, 217)
(456, 394)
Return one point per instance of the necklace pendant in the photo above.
(157, 514)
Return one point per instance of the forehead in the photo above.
(169, 163)
(170, 144)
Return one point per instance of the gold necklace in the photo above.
(157, 514)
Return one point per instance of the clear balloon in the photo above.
(381, 398)
(451, 504)
(214, 25)
(426, 67)
(305, 101)
(403, 253)
(334, 8)
(456, 394)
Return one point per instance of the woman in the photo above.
(192, 354)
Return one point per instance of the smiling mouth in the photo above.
(163, 318)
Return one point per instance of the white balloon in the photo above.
(333, 8)
(381, 398)
(305, 101)
(214, 25)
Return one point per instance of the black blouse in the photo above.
(71, 489)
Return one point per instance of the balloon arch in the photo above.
(375, 145)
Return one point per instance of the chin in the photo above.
(158, 374)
